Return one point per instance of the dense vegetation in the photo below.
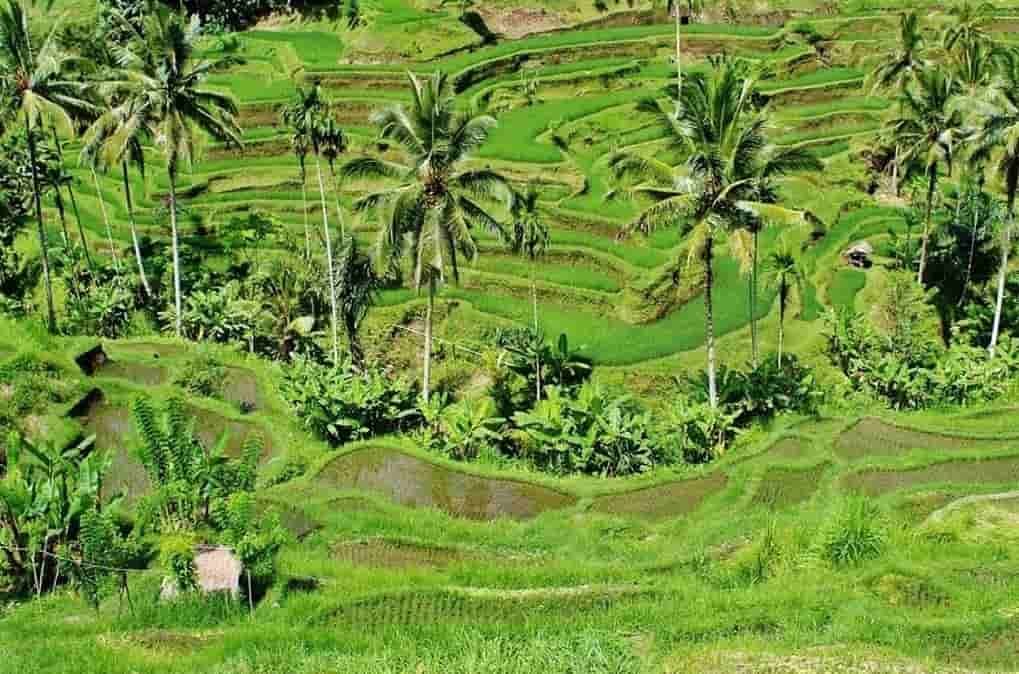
(606, 338)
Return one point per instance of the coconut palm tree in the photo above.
(927, 125)
(333, 143)
(969, 26)
(160, 90)
(39, 91)
(730, 171)
(357, 287)
(297, 115)
(898, 69)
(429, 214)
(528, 236)
(785, 275)
(309, 115)
(65, 179)
(998, 139)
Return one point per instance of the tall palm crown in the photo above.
(437, 201)
(730, 170)
(528, 234)
(35, 86)
(159, 89)
(304, 114)
(970, 25)
(998, 135)
(900, 66)
(926, 127)
(37, 79)
(998, 138)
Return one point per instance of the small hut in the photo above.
(858, 255)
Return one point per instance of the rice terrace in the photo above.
(437, 337)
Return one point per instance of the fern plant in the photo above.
(186, 476)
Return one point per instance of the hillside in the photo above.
(671, 426)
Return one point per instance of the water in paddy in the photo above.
(663, 501)
(414, 482)
(873, 437)
(1003, 470)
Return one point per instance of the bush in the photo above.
(177, 554)
(761, 393)
(340, 404)
(463, 430)
(202, 376)
(699, 431)
(913, 374)
(856, 535)
(593, 433)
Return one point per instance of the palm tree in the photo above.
(927, 124)
(333, 143)
(161, 92)
(785, 275)
(730, 170)
(297, 115)
(110, 133)
(898, 70)
(430, 212)
(308, 115)
(970, 25)
(65, 179)
(357, 289)
(529, 238)
(998, 137)
(39, 91)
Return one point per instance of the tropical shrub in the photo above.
(177, 555)
(462, 430)
(340, 404)
(44, 494)
(202, 375)
(187, 478)
(254, 536)
(908, 373)
(761, 393)
(528, 360)
(696, 430)
(218, 315)
(591, 433)
(103, 310)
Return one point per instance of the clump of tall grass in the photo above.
(857, 534)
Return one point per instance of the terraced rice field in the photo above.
(587, 80)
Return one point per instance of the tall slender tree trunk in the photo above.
(329, 260)
(59, 203)
(74, 202)
(106, 219)
(175, 245)
(931, 186)
(895, 172)
(1006, 244)
(679, 62)
(783, 297)
(427, 378)
(134, 233)
(336, 198)
(754, 342)
(304, 209)
(972, 249)
(709, 318)
(81, 230)
(537, 351)
(43, 245)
